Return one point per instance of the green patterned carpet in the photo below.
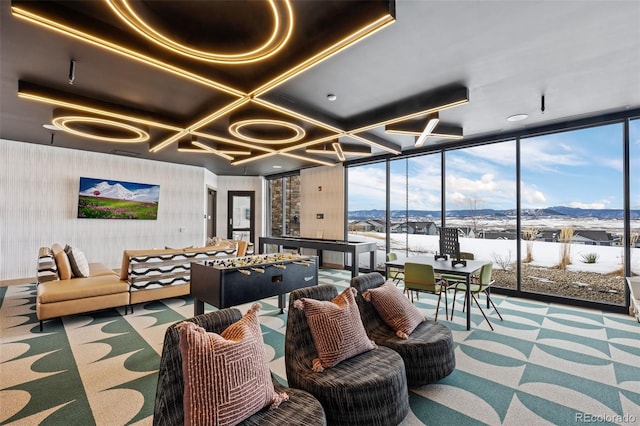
(544, 364)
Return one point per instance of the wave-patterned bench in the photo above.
(164, 273)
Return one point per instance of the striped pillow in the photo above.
(394, 308)
(47, 269)
(226, 376)
(336, 328)
(78, 262)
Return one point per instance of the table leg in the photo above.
(355, 270)
(468, 299)
(281, 301)
(198, 307)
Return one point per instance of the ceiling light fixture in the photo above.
(66, 122)
(64, 100)
(331, 97)
(338, 150)
(428, 103)
(211, 150)
(432, 122)
(320, 149)
(517, 117)
(310, 159)
(132, 54)
(348, 41)
(192, 146)
(236, 130)
(282, 29)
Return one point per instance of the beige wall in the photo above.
(39, 195)
(322, 192)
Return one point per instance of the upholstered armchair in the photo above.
(300, 409)
(428, 352)
(367, 389)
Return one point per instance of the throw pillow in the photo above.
(394, 308)
(226, 376)
(78, 262)
(336, 328)
(47, 269)
(63, 265)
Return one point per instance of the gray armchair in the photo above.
(368, 389)
(428, 353)
(300, 409)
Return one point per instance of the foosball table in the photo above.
(233, 281)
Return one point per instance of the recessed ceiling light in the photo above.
(50, 126)
(331, 97)
(277, 167)
(517, 117)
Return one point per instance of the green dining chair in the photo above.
(396, 274)
(420, 277)
(480, 284)
(453, 278)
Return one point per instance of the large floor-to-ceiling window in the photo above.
(572, 186)
(367, 206)
(634, 198)
(480, 199)
(415, 188)
(547, 207)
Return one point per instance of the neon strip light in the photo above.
(278, 39)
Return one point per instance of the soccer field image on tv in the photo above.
(114, 199)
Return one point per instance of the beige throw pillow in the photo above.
(336, 328)
(226, 376)
(394, 308)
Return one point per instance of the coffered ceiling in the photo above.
(242, 87)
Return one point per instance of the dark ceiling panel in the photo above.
(584, 56)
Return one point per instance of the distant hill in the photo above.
(556, 211)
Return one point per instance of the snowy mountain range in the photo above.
(556, 211)
(119, 192)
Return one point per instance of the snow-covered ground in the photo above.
(545, 254)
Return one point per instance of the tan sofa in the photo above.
(145, 275)
(59, 293)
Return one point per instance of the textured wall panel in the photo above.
(39, 200)
(322, 191)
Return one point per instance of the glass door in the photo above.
(241, 215)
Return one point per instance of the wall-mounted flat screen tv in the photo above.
(115, 199)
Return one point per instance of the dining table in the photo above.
(451, 266)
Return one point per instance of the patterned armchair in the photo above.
(367, 389)
(301, 409)
(428, 353)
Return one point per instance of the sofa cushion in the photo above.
(336, 328)
(226, 376)
(99, 269)
(78, 262)
(394, 308)
(80, 288)
(64, 267)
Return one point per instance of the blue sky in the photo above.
(579, 168)
(86, 183)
